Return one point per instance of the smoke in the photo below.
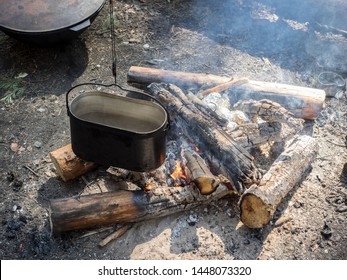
(296, 35)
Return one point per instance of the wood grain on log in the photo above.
(304, 102)
(260, 201)
(68, 166)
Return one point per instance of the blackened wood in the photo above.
(227, 157)
(96, 210)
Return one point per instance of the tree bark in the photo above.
(260, 201)
(303, 102)
(68, 166)
(102, 209)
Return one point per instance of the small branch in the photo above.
(336, 144)
(94, 232)
(32, 171)
(222, 87)
(118, 233)
(86, 181)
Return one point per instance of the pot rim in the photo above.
(163, 127)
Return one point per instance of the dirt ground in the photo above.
(262, 40)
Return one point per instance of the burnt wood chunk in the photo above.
(200, 174)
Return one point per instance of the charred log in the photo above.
(95, 210)
(226, 156)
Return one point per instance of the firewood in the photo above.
(199, 172)
(304, 102)
(146, 76)
(113, 236)
(280, 124)
(259, 203)
(123, 206)
(226, 156)
(205, 109)
(222, 87)
(68, 166)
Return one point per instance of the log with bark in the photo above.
(123, 206)
(259, 203)
(304, 102)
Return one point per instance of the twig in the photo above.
(336, 144)
(94, 232)
(118, 233)
(281, 221)
(86, 181)
(222, 87)
(97, 183)
(27, 167)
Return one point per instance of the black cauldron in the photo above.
(46, 22)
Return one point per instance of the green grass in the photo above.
(13, 88)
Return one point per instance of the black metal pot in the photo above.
(119, 131)
(47, 22)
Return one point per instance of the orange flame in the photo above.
(196, 149)
(178, 173)
(148, 187)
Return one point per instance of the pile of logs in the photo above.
(215, 155)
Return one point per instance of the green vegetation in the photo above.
(13, 88)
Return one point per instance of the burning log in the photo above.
(200, 174)
(260, 201)
(68, 166)
(95, 210)
(226, 156)
(304, 102)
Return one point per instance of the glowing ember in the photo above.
(196, 149)
(178, 173)
(148, 187)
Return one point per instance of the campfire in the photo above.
(215, 124)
